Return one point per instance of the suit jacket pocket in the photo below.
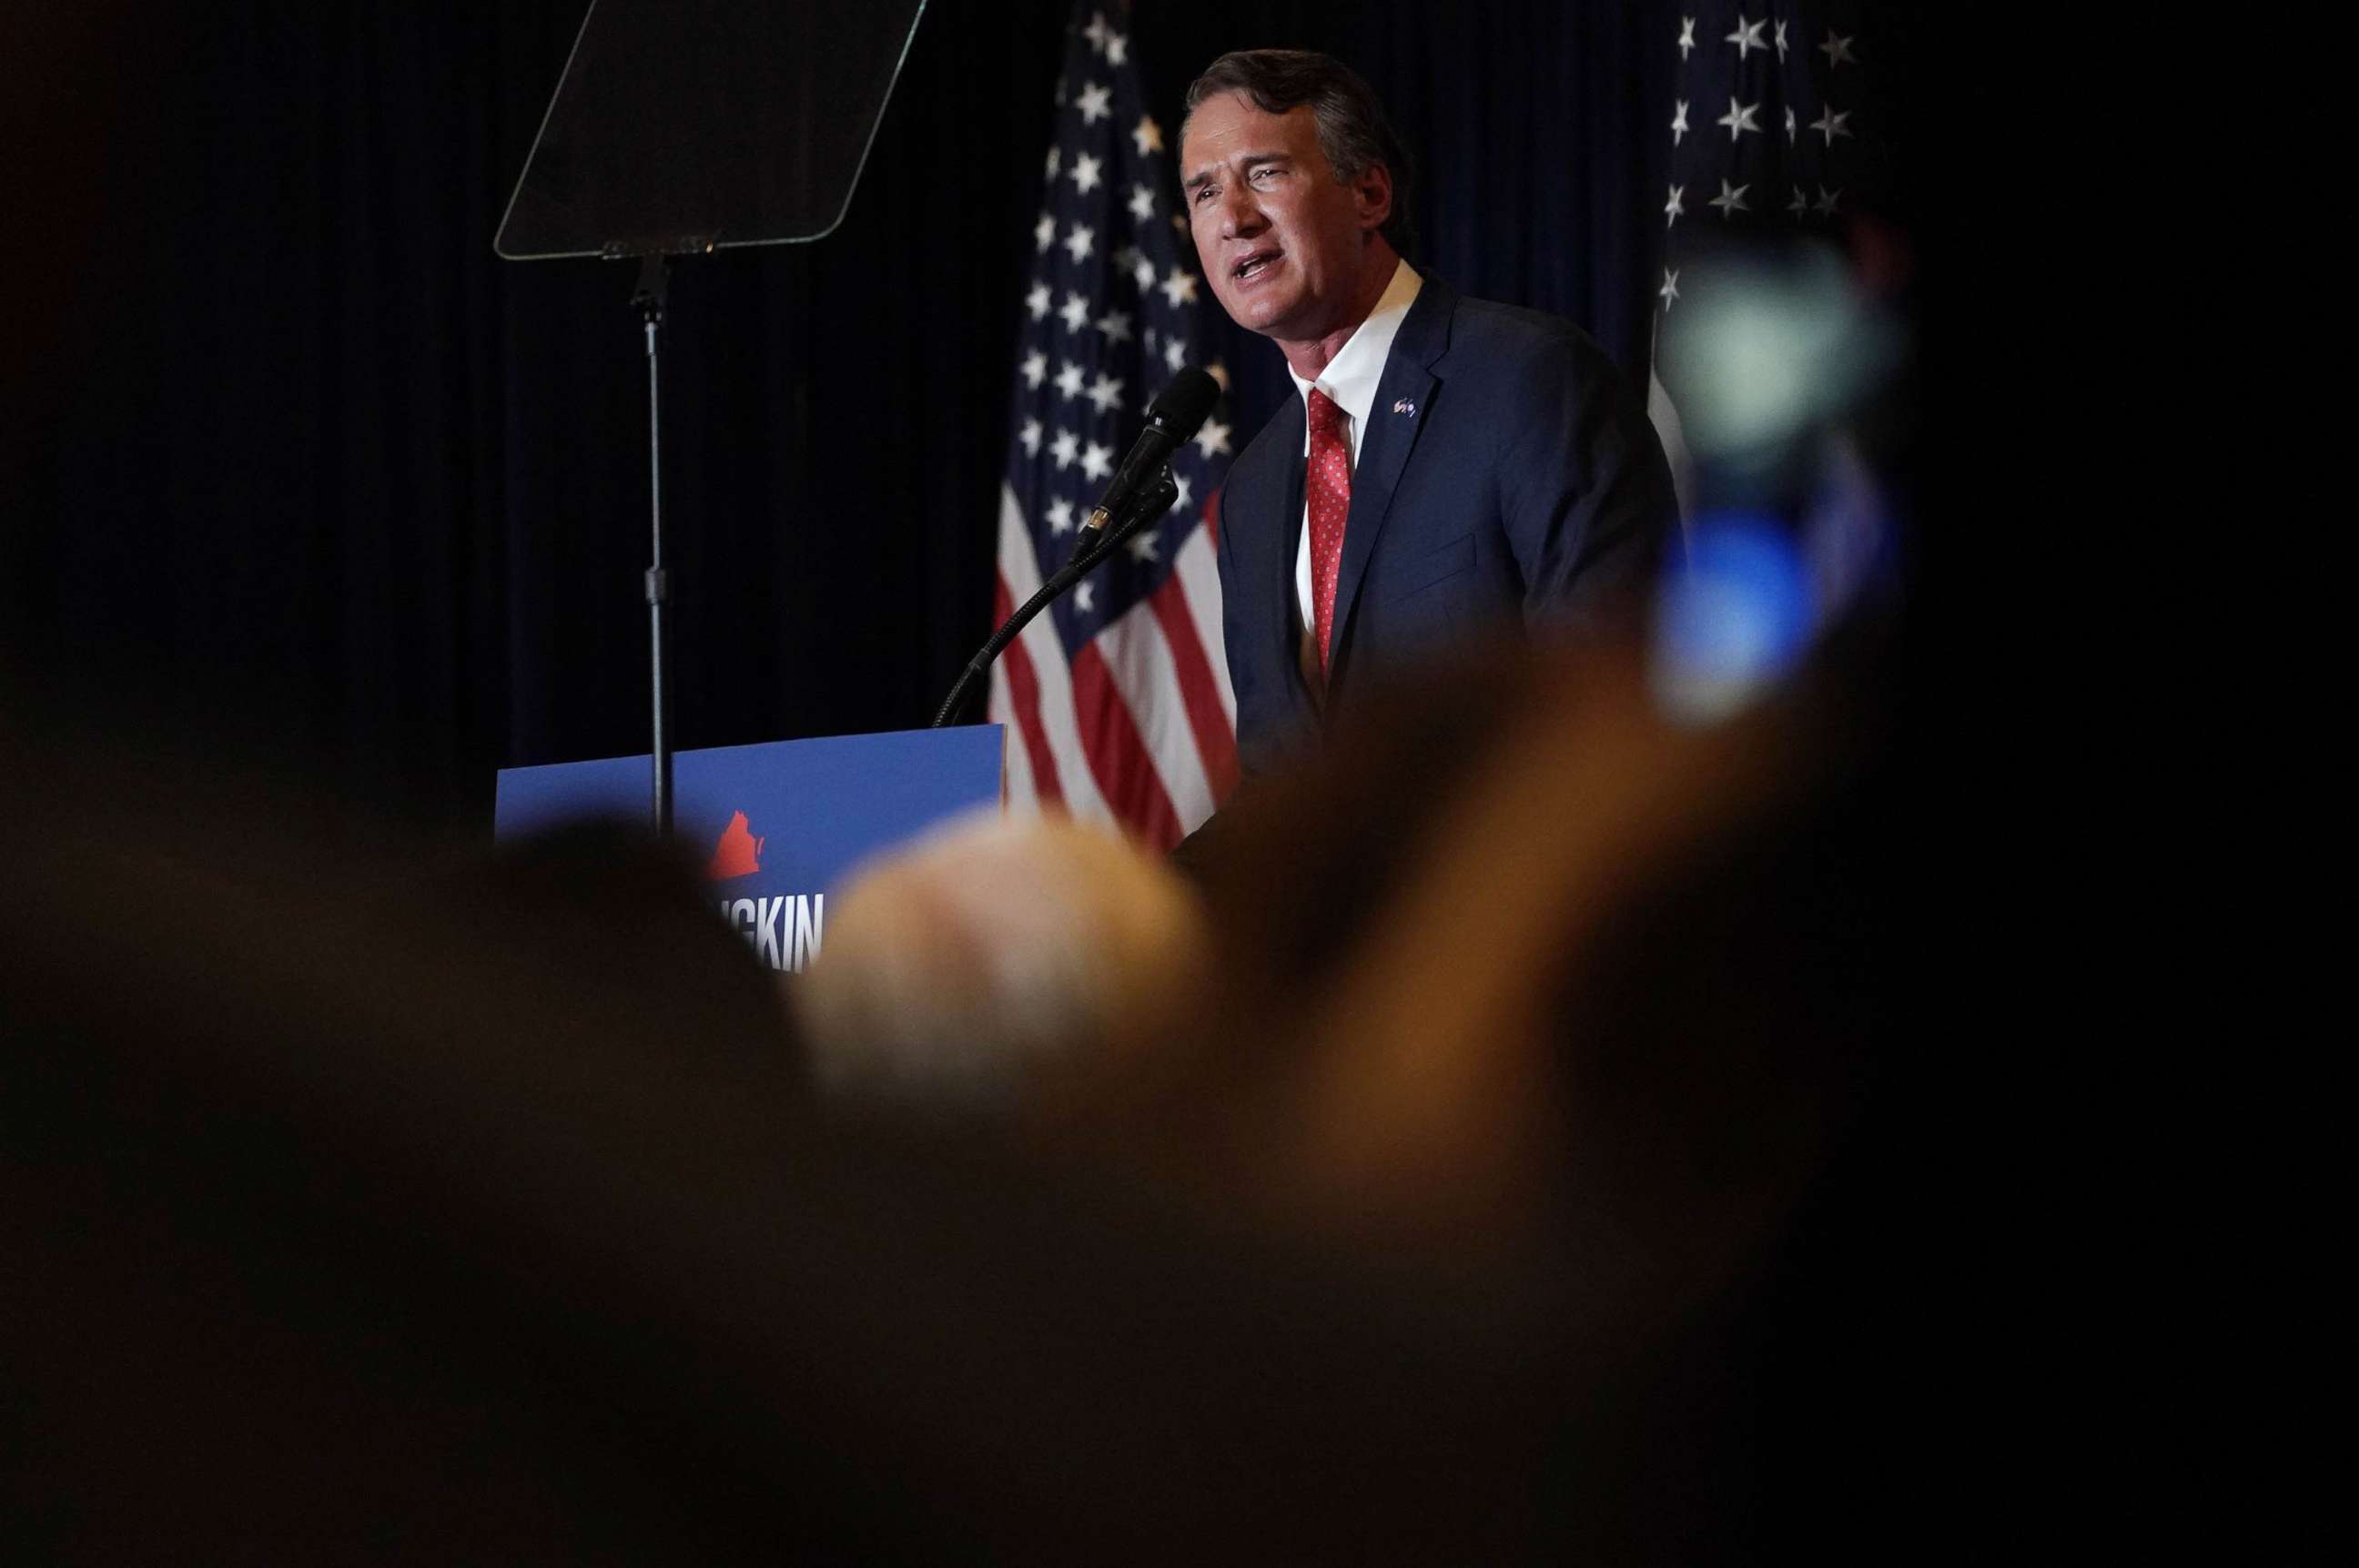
(1420, 572)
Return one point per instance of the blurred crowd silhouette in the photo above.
(1487, 1146)
(1525, 1131)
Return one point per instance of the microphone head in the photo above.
(1182, 406)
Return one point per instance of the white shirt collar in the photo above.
(1351, 378)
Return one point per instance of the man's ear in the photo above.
(1372, 193)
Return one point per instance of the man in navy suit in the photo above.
(1447, 464)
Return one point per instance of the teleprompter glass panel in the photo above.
(687, 124)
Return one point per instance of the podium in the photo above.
(776, 825)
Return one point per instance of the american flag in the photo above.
(1118, 698)
(1777, 123)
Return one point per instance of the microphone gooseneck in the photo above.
(1142, 489)
(1143, 508)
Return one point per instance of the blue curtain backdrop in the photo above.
(303, 468)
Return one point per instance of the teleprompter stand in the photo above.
(684, 126)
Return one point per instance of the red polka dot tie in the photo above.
(1327, 495)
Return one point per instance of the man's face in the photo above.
(1282, 240)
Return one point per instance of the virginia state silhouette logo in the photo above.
(784, 931)
(739, 853)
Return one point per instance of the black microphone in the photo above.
(1174, 417)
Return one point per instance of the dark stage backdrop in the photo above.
(305, 468)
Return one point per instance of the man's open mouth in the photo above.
(1255, 265)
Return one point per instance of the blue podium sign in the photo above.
(778, 823)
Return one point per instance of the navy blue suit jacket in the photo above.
(1508, 474)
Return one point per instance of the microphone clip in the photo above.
(1143, 506)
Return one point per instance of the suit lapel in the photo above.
(1290, 534)
(1279, 495)
(1399, 414)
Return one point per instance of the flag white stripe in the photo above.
(1000, 710)
(1198, 571)
(1020, 796)
(1140, 663)
(1061, 730)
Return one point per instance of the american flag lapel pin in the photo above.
(1405, 406)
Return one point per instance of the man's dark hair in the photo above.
(1352, 130)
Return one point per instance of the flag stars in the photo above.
(1060, 515)
(1679, 127)
(1097, 462)
(1837, 48)
(1779, 38)
(1789, 124)
(1175, 354)
(1825, 205)
(1179, 287)
(1800, 205)
(1731, 201)
(1181, 481)
(1068, 381)
(1148, 135)
(1095, 103)
(1739, 120)
(1044, 233)
(1034, 369)
(1076, 312)
(1084, 596)
(1118, 47)
(1747, 38)
(1085, 173)
(1220, 374)
(1832, 125)
(1115, 325)
(1064, 447)
(1056, 157)
(1142, 204)
(1030, 436)
(1214, 438)
(1670, 289)
(1038, 302)
(1105, 394)
(1096, 31)
(1084, 236)
(1141, 545)
(1675, 209)
(1141, 271)
(1687, 38)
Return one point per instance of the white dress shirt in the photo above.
(1350, 383)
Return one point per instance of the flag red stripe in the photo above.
(1024, 695)
(1215, 742)
(1126, 774)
